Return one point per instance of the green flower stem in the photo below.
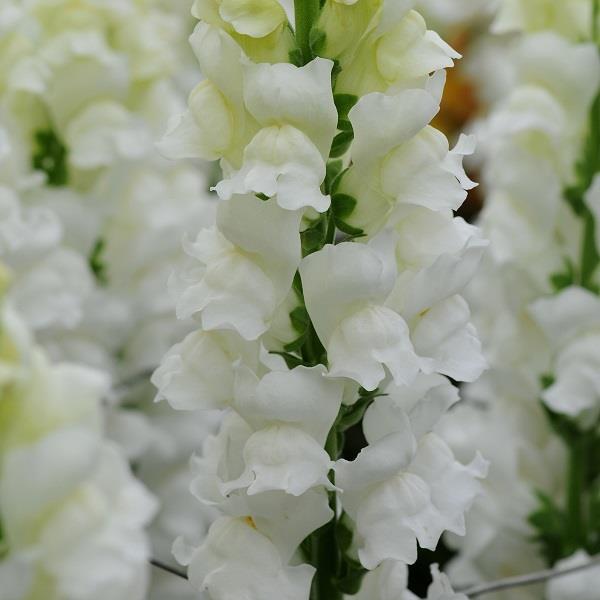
(577, 484)
(306, 13)
(326, 548)
(589, 252)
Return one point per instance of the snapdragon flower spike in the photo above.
(359, 311)
(67, 496)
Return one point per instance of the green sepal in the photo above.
(354, 232)
(300, 319)
(564, 279)
(314, 237)
(96, 263)
(351, 572)
(343, 104)
(353, 414)
(341, 143)
(334, 168)
(50, 156)
(343, 205)
(295, 56)
(297, 286)
(295, 345)
(551, 528)
(316, 40)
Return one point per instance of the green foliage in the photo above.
(96, 263)
(295, 57)
(351, 572)
(342, 205)
(551, 528)
(352, 415)
(50, 156)
(335, 169)
(343, 104)
(316, 40)
(565, 278)
(314, 237)
(341, 143)
(585, 169)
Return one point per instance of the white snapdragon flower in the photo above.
(345, 289)
(389, 581)
(407, 479)
(396, 50)
(399, 161)
(571, 322)
(569, 17)
(255, 19)
(260, 27)
(24, 228)
(237, 275)
(272, 124)
(284, 518)
(237, 560)
(67, 498)
(368, 322)
(433, 246)
(289, 414)
(199, 372)
(215, 123)
(293, 106)
(63, 279)
(577, 586)
(525, 455)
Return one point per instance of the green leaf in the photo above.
(295, 56)
(343, 104)
(344, 125)
(343, 205)
(314, 237)
(262, 197)
(300, 319)
(547, 379)
(341, 143)
(353, 231)
(296, 345)
(297, 286)
(334, 168)
(565, 427)
(564, 279)
(96, 263)
(351, 571)
(353, 414)
(50, 156)
(551, 528)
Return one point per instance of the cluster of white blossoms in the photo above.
(91, 219)
(535, 412)
(67, 497)
(327, 294)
